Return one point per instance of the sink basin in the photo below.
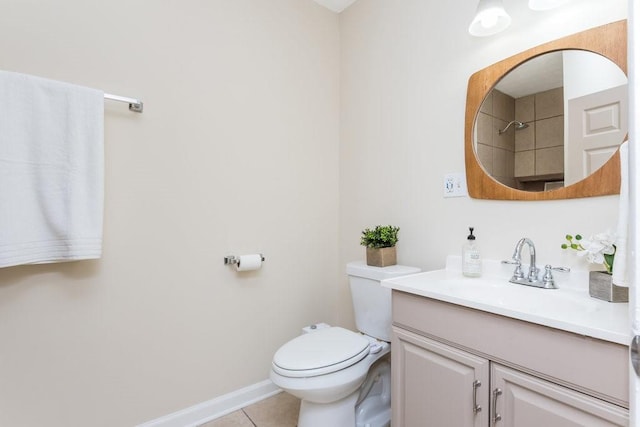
(568, 308)
(499, 291)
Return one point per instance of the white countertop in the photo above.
(569, 308)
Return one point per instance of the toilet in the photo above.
(343, 378)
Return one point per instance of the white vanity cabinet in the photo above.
(457, 366)
(523, 400)
(437, 385)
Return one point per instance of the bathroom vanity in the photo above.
(485, 352)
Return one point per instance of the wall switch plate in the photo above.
(455, 185)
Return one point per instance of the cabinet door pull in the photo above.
(496, 416)
(634, 349)
(476, 408)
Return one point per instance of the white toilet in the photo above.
(342, 377)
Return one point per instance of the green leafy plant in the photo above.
(599, 249)
(383, 236)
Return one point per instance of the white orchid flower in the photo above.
(592, 253)
(595, 248)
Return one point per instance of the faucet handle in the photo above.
(547, 279)
(517, 273)
(548, 268)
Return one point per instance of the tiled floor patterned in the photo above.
(280, 410)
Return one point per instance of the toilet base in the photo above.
(374, 409)
(369, 406)
(338, 414)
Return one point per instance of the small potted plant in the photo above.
(381, 245)
(599, 249)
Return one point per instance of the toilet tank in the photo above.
(371, 301)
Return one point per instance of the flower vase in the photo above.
(601, 286)
(381, 257)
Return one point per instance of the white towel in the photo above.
(51, 170)
(620, 261)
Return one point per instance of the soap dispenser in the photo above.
(471, 261)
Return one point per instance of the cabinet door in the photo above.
(527, 401)
(437, 385)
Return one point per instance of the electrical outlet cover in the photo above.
(454, 185)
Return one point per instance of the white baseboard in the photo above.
(215, 408)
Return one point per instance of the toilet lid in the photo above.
(319, 353)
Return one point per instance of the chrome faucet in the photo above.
(532, 278)
(533, 270)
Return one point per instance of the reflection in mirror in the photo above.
(552, 121)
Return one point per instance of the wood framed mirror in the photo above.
(608, 41)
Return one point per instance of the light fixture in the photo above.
(491, 18)
(545, 4)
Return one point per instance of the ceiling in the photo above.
(335, 5)
(541, 73)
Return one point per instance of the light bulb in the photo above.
(489, 20)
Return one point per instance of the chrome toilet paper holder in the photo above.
(233, 260)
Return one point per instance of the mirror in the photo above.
(546, 125)
(526, 118)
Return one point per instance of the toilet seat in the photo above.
(320, 353)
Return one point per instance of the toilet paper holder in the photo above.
(233, 260)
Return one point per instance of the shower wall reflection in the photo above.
(539, 157)
(496, 151)
(528, 158)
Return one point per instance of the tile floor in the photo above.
(280, 410)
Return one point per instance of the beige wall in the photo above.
(236, 152)
(405, 66)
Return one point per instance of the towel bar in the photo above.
(134, 104)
